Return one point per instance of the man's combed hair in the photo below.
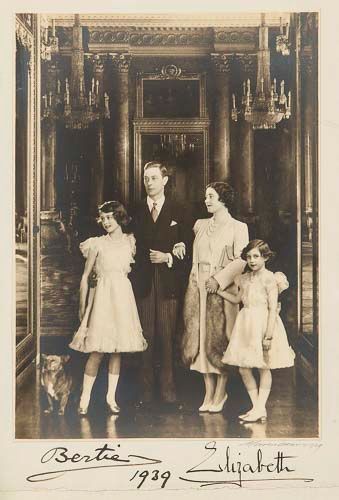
(119, 212)
(157, 164)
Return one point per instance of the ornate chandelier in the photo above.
(69, 101)
(266, 107)
(282, 42)
(177, 144)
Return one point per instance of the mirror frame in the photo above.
(27, 30)
(307, 177)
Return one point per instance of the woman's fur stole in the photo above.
(216, 340)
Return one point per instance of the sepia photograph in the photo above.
(166, 184)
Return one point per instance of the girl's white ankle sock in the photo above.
(86, 391)
(112, 386)
(253, 394)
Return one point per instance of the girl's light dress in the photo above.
(111, 322)
(245, 347)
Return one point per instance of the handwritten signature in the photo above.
(219, 466)
(103, 455)
(238, 469)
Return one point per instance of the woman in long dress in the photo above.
(208, 320)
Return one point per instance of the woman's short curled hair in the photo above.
(261, 245)
(119, 212)
(225, 191)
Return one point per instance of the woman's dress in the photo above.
(215, 247)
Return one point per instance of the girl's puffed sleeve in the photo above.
(276, 281)
(89, 245)
(133, 247)
(281, 281)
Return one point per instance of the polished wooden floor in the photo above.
(292, 407)
(292, 411)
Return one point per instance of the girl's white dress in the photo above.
(111, 321)
(245, 347)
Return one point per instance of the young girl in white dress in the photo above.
(258, 339)
(108, 312)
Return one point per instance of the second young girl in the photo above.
(108, 312)
(258, 339)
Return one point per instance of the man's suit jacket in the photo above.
(171, 227)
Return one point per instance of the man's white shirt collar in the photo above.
(159, 203)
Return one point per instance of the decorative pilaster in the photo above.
(308, 142)
(98, 168)
(121, 64)
(245, 164)
(222, 117)
(245, 158)
(48, 164)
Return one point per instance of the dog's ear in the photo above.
(65, 358)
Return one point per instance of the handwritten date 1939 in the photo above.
(153, 475)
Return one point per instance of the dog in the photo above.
(56, 380)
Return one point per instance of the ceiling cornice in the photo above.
(222, 19)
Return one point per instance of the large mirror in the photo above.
(25, 181)
(21, 193)
(308, 198)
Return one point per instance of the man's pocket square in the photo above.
(173, 223)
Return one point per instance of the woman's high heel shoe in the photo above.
(113, 408)
(243, 415)
(205, 407)
(217, 408)
(255, 415)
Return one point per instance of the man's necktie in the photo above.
(154, 212)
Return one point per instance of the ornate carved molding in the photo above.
(244, 19)
(172, 37)
(23, 36)
(171, 124)
(171, 71)
(221, 63)
(98, 62)
(152, 36)
(307, 64)
(65, 36)
(247, 63)
(121, 62)
(236, 36)
(109, 35)
(27, 20)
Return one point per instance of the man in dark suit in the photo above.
(158, 277)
